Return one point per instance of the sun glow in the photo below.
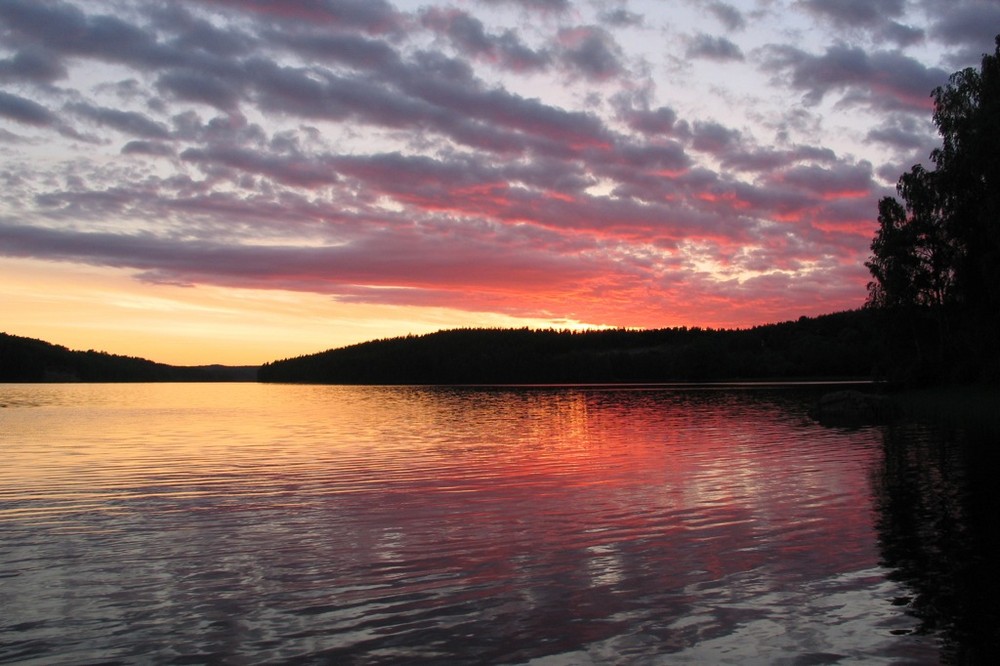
(108, 310)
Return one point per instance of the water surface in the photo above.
(245, 523)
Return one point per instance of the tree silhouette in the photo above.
(967, 113)
(912, 256)
(935, 259)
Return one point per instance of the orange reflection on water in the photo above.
(341, 515)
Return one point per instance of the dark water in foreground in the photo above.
(245, 524)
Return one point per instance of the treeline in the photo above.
(30, 360)
(842, 345)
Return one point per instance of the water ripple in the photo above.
(260, 524)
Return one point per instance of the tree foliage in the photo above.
(935, 259)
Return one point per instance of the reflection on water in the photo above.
(938, 508)
(264, 523)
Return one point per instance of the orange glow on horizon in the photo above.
(84, 307)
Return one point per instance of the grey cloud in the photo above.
(128, 122)
(465, 31)
(11, 138)
(231, 129)
(295, 170)
(769, 160)
(425, 95)
(427, 92)
(25, 111)
(876, 16)
(438, 67)
(713, 48)
(431, 260)
(517, 56)
(855, 12)
(728, 15)
(591, 51)
(322, 94)
(371, 16)
(152, 148)
(356, 51)
(66, 29)
(436, 82)
(844, 179)
(129, 89)
(194, 74)
(665, 157)
(661, 120)
(415, 173)
(469, 36)
(711, 137)
(193, 86)
(32, 65)
(903, 35)
(621, 18)
(193, 33)
(556, 6)
(886, 80)
(969, 28)
(904, 132)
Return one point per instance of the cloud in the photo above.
(470, 37)
(196, 86)
(659, 121)
(904, 35)
(294, 170)
(192, 33)
(127, 122)
(152, 148)
(431, 262)
(620, 17)
(554, 6)
(877, 17)
(855, 12)
(712, 137)
(369, 153)
(904, 132)
(34, 66)
(371, 16)
(591, 51)
(968, 27)
(68, 30)
(728, 15)
(713, 48)
(353, 50)
(772, 160)
(25, 111)
(885, 80)
(843, 181)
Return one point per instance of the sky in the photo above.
(238, 181)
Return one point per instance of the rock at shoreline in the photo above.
(854, 408)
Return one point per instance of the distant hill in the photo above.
(841, 345)
(31, 360)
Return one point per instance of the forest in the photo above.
(835, 346)
(30, 360)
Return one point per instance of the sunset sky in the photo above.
(237, 181)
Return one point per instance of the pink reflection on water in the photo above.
(495, 524)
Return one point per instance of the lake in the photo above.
(254, 523)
